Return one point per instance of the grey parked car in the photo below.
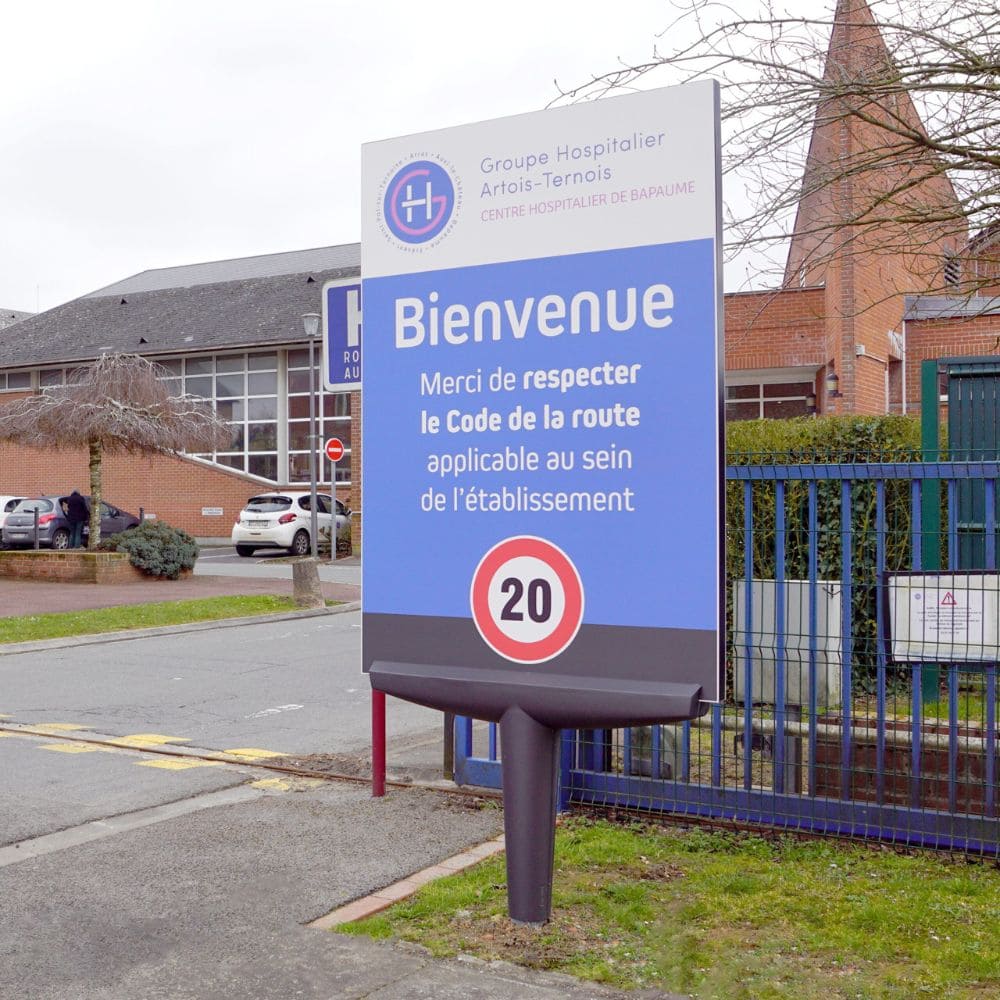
(53, 529)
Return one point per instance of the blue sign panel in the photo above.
(560, 398)
(341, 336)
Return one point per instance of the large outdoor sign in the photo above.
(541, 408)
(541, 418)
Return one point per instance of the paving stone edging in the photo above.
(357, 909)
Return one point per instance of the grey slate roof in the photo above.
(949, 307)
(177, 311)
(8, 317)
(346, 256)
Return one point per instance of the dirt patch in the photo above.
(352, 765)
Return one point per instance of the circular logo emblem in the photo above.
(527, 599)
(419, 201)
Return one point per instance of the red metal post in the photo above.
(378, 744)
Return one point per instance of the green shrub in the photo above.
(156, 548)
(824, 441)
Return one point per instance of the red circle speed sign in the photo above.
(527, 599)
(334, 449)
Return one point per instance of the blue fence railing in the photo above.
(827, 727)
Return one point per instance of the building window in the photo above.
(15, 381)
(243, 389)
(333, 419)
(776, 400)
(265, 402)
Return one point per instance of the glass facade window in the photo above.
(263, 397)
(244, 391)
(11, 381)
(265, 400)
(775, 400)
(333, 419)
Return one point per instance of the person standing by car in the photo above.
(78, 514)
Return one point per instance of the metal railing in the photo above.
(825, 728)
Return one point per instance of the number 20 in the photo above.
(539, 603)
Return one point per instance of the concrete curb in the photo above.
(358, 909)
(99, 638)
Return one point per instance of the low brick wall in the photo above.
(72, 566)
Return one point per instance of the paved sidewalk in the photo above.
(33, 597)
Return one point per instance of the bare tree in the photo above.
(867, 127)
(116, 404)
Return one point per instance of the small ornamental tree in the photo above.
(118, 404)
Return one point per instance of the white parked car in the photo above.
(282, 520)
(7, 505)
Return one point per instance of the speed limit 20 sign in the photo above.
(527, 599)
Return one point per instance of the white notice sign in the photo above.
(945, 618)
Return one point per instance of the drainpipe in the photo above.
(903, 363)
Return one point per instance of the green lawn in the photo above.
(729, 916)
(27, 628)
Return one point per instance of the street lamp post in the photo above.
(310, 323)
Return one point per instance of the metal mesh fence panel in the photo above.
(861, 690)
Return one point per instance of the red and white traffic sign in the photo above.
(334, 448)
(527, 599)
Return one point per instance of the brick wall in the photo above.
(174, 489)
(943, 338)
(774, 329)
(69, 567)
(846, 235)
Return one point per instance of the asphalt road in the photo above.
(127, 873)
(291, 688)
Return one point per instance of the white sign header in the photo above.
(628, 171)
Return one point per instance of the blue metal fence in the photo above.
(822, 730)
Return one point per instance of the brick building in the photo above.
(228, 331)
(855, 303)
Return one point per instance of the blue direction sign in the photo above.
(342, 336)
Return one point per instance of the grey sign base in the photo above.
(531, 708)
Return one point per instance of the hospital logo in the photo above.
(420, 201)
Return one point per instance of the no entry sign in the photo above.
(334, 449)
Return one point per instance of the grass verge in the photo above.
(29, 628)
(730, 916)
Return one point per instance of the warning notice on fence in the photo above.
(945, 618)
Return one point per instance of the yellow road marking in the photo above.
(286, 784)
(60, 727)
(147, 740)
(69, 747)
(178, 765)
(251, 753)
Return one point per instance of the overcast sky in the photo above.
(147, 134)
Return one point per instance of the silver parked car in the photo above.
(54, 530)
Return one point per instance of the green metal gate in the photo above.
(973, 391)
